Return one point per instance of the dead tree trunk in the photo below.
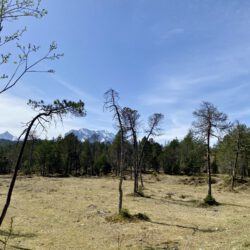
(121, 174)
(209, 166)
(135, 164)
(111, 104)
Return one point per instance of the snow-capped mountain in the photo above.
(7, 136)
(92, 135)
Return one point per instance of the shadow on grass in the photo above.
(197, 203)
(233, 205)
(13, 246)
(187, 203)
(194, 228)
(13, 235)
(17, 235)
(20, 248)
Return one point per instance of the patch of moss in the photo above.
(123, 216)
(246, 244)
(210, 200)
(126, 216)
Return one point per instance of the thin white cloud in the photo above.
(15, 113)
(161, 35)
(73, 88)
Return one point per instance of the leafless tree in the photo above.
(47, 113)
(209, 123)
(153, 130)
(131, 119)
(23, 59)
(111, 104)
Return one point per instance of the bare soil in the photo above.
(70, 213)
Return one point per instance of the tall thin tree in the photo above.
(111, 104)
(209, 123)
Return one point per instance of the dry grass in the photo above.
(70, 213)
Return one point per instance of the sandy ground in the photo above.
(69, 213)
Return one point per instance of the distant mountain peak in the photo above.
(84, 134)
(8, 136)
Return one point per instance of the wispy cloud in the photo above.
(222, 79)
(15, 113)
(161, 35)
(172, 32)
(96, 118)
(71, 87)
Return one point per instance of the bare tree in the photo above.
(47, 114)
(209, 123)
(23, 59)
(111, 104)
(131, 119)
(152, 130)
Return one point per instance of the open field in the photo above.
(69, 213)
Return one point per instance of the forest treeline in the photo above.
(69, 157)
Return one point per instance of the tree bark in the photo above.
(235, 163)
(121, 174)
(135, 161)
(31, 155)
(209, 166)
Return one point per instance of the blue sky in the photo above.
(161, 56)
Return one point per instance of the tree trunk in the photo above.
(141, 178)
(209, 166)
(135, 182)
(235, 163)
(13, 180)
(244, 166)
(120, 193)
(136, 172)
(140, 170)
(121, 175)
(234, 170)
(31, 155)
(135, 161)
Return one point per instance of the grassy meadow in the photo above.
(71, 213)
